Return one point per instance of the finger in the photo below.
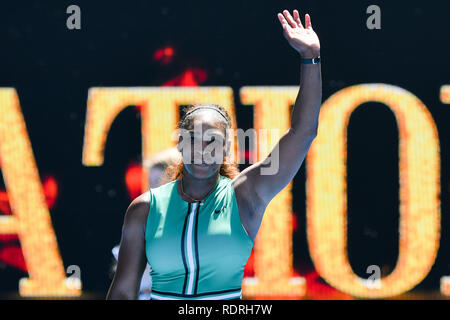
(297, 19)
(283, 21)
(308, 24)
(289, 19)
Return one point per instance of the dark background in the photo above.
(237, 44)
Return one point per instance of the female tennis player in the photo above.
(197, 231)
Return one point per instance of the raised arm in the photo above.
(132, 260)
(255, 189)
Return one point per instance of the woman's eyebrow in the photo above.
(209, 135)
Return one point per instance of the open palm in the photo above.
(302, 39)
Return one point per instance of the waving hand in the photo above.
(302, 39)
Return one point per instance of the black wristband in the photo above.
(311, 61)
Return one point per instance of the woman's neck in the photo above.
(196, 188)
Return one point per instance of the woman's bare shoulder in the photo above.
(143, 198)
(138, 209)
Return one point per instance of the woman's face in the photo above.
(205, 146)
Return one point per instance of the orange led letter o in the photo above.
(419, 171)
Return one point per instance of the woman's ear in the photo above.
(227, 148)
(179, 143)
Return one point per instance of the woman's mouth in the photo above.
(202, 164)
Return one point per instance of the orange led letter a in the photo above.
(31, 218)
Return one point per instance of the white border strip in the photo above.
(215, 297)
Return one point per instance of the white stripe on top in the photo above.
(190, 250)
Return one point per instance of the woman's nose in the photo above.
(200, 147)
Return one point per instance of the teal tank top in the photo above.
(196, 251)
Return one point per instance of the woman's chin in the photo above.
(202, 170)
